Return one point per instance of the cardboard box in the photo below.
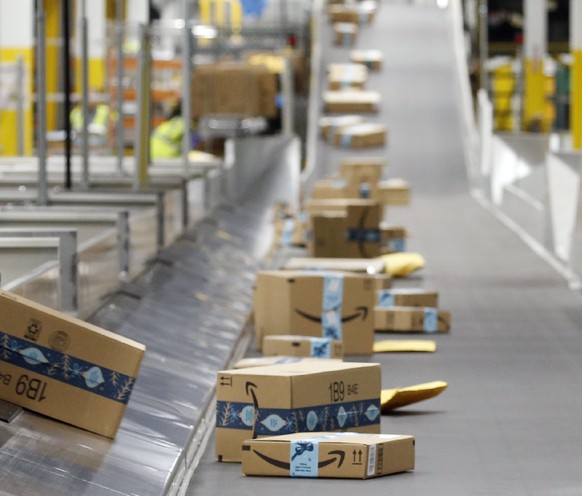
(393, 239)
(65, 368)
(346, 76)
(229, 88)
(333, 304)
(407, 297)
(345, 33)
(344, 455)
(362, 175)
(329, 189)
(350, 13)
(394, 192)
(351, 101)
(302, 346)
(291, 231)
(344, 228)
(365, 135)
(329, 124)
(412, 319)
(362, 169)
(372, 59)
(299, 397)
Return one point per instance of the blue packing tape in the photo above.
(277, 421)
(331, 314)
(385, 298)
(67, 369)
(431, 320)
(346, 140)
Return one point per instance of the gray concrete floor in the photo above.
(509, 423)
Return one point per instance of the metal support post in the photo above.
(20, 88)
(483, 43)
(41, 102)
(85, 94)
(288, 107)
(143, 110)
(120, 72)
(187, 41)
(66, 36)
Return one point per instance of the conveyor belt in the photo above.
(509, 422)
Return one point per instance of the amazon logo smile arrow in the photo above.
(360, 312)
(338, 456)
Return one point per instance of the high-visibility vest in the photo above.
(166, 140)
(99, 119)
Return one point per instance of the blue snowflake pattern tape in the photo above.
(275, 421)
(363, 235)
(288, 230)
(385, 298)
(365, 190)
(331, 315)
(397, 244)
(431, 319)
(346, 140)
(66, 369)
(320, 347)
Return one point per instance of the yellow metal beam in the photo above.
(534, 101)
(8, 117)
(576, 99)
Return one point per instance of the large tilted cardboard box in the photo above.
(63, 367)
(298, 397)
(333, 304)
(230, 88)
(302, 346)
(351, 101)
(364, 135)
(427, 320)
(407, 297)
(340, 455)
(344, 228)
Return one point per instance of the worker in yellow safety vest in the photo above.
(99, 120)
(166, 139)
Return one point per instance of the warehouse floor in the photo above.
(509, 422)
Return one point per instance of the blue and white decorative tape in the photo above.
(288, 230)
(365, 190)
(385, 298)
(320, 347)
(363, 235)
(331, 313)
(397, 244)
(67, 369)
(431, 320)
(276, 421)
(346, 140)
